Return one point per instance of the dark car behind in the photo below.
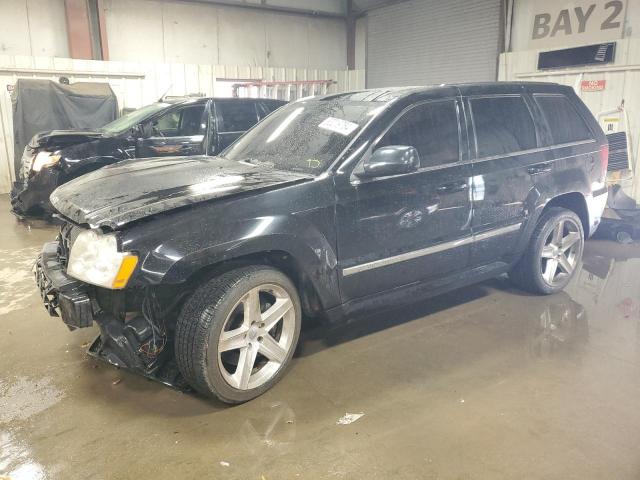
(185, 127)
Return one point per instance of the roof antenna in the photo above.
(165, 93)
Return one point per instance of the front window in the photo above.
(130, 120)
(181, 122)
(305, 136)
(432, 129)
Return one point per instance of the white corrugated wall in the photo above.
(422, 42)
(137, 84)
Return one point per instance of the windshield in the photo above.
(305, 136)
(130, 120)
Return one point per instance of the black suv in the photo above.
(178, 126)
(330, 205)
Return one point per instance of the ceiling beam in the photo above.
(279, 7)
(374, 5)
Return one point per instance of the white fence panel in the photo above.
(138, 84)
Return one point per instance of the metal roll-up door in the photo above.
(422, 42)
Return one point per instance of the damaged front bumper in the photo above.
(31, 196)
(62, 295)
(134, 344)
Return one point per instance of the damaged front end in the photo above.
(44, 166)
(39, 176)
(136, 325)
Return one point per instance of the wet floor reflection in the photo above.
(563, 328)
(271, 431)
(16, 460)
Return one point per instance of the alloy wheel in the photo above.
(256, 337)
(561, 252)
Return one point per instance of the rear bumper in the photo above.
(596, 203)
(62, 295)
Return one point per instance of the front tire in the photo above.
(237, 333)
(554, 252)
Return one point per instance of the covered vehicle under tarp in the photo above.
(44, 105)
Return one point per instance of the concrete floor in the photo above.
(485, 382)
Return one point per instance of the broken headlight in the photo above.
(95, 259)
(44, 159)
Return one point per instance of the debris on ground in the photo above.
(349, 418)
(629, 308)
(225, 464)
(117, 381)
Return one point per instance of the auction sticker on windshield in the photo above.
(343, 127)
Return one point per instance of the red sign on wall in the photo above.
(592, 85)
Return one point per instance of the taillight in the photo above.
(604, 159)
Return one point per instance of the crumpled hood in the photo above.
(128, 191)
(58, 139)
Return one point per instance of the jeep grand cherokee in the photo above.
(330, 205)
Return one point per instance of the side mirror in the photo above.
(391, 160)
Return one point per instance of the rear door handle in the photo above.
(539, 168)
(453, 187)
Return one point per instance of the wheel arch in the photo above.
(573, 201)
(310, 297)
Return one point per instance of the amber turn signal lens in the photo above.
(127, 267)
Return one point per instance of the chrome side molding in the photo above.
(403, 257)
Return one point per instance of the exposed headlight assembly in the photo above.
(95, 259)
(44, 159)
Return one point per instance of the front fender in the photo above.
(86, 157)
(186, 252)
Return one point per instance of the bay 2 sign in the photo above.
(567, 23)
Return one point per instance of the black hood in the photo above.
(57, 139)
(116, 195)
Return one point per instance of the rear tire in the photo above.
(237, 333)
(553, 254)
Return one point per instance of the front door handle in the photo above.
(453, 187)
(539, 168)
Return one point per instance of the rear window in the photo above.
(502, 125)
(265, 108)
(236, 116)
(565, 123)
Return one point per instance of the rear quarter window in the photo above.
(265, 108)
(564, 121)
(236, 115)
(502, 125)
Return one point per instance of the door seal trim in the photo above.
(383, 262)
